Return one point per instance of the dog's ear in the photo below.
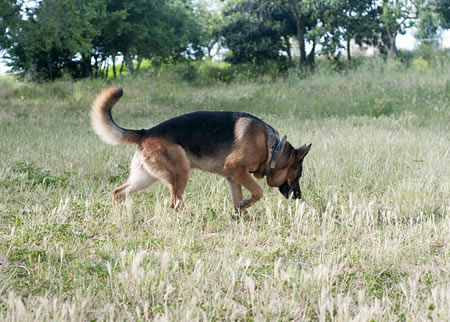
(303, 151)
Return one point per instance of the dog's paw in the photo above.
(243, 204)
(177, 205)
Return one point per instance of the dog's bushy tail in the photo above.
(102, 121)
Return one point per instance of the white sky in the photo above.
(408, 41)
(3, 68)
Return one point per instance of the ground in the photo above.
(370, 239)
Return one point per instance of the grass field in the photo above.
(370, 240)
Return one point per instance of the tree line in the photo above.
(47, 38)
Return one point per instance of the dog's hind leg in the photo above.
(177, 183)
(138, 179)
(172, 167)
(236, 193)
(181, 181)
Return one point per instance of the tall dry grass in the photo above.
(370, 240)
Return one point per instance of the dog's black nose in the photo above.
(292, 192)
(296, 193)
(284, 190)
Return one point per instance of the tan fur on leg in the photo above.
(169, 163)
(139, 179)
(236, 193)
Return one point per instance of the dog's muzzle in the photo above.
(291, 190)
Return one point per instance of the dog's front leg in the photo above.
(236, 193)
(242, 176)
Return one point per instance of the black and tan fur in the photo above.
(234, 145)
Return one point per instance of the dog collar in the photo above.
(276, 148)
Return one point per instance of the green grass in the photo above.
(371, 241)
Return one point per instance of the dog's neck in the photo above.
(274, 152)
(275, 146)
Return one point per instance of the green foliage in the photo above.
(432, 55)
(210, 19)
(427, 27)
(429, 21)
(31, 175)
(252, 32)
(396, 17)
(210, 72)
(348, 20)
(57, 37)
(206, 72)
(149, 29)
(9, 18)
(420, 63)
(49, 39)
(257, 31)
(52, 35)
(251, 42)
(443, 10)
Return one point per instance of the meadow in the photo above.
(369, 241)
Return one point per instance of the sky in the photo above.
(3, 68)
(406, 41)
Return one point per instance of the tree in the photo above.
(349, 20)
(396, 17)
(253, 31)
(310, 18)
(301, 14)
(428, 21)
(432, 15)
(281, 14)
(140, 29)
(50, 37)
(68, 35)
(9, 18)
(210, 21)
(443, 10)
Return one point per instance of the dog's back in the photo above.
(203, 133)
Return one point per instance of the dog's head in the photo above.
(286, 176)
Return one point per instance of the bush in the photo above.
(267, 71)
(425, 54)
(8, 87)
(212, 72)
(420, 64)
(204, 72)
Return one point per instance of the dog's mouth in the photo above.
(290, 190)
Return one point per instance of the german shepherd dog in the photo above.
(232, 144)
